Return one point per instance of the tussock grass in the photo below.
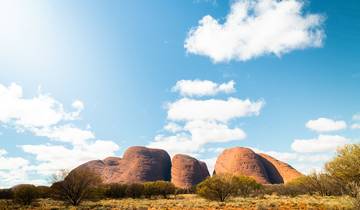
(193, 202)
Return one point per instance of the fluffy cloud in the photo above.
(55, 157)
(195, 123)
(44, 116)
(37, 112)
(13, 170)
(324, 143)
(187, 109)
(202, 87)
(326, 125)
(255, 28)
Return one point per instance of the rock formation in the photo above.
(187, 171)
(139, 164)
(263, 168)
(244, 161)
(276, 168)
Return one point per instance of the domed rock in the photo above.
(241, 161)
(278, 172)
(139, 164)
(187, 171)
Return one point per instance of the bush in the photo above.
(116, 191)
(76, 186)
(245, 186)
(25, 194)
(345, 166)
(135, 190)
(162, 188)
(6, 194)
(221, 187)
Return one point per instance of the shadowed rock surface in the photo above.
(139, 164)
(278, 172)
(244, 161)
(187, 171)
(262, 167)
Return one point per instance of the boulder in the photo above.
(278, 172)
(241, 161)
(187, 171)
(139, 164)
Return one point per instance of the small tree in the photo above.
(6, 194)
(76, 186)
(25, 194)
(217, 187)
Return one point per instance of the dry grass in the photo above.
(184, 202)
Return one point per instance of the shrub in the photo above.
(116, 191)
(245, 186)
(25, 194)
(135, 190)
(6, 194)
(164, 188)
(76, 186)
(221, 187)
(345, 166)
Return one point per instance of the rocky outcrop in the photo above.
(263, 168)
(278, 172)
(187, 171)
(139, 164)
(242, 161)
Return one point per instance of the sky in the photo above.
(84, 80)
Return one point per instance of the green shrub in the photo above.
(245, 186)
(116, 191)
(345, 166)
(135, 190)
(165, 188)
(6, 194)
(221, 187)
(25, 194)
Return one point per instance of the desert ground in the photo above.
(190, 201)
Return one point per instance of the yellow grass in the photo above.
(187, 202)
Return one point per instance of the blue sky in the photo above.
(119, 61)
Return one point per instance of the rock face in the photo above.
(263, 168)
(244, 161)
(187, 171)
(139, 164)
(276, 168)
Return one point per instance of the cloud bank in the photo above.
(255, 28)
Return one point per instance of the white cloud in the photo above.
(173, 127)
(39, 111)
(324, 143)
(65, 133)
(195, 123)
(326, 125)
(187, 109)
(55, 157)
(256, 28)
(356, 117)
(355, 126)
(44, 116)
(202, 87)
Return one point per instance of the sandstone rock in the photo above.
(242, 161)
(187, 171)
(278, 172)
(139, 164)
